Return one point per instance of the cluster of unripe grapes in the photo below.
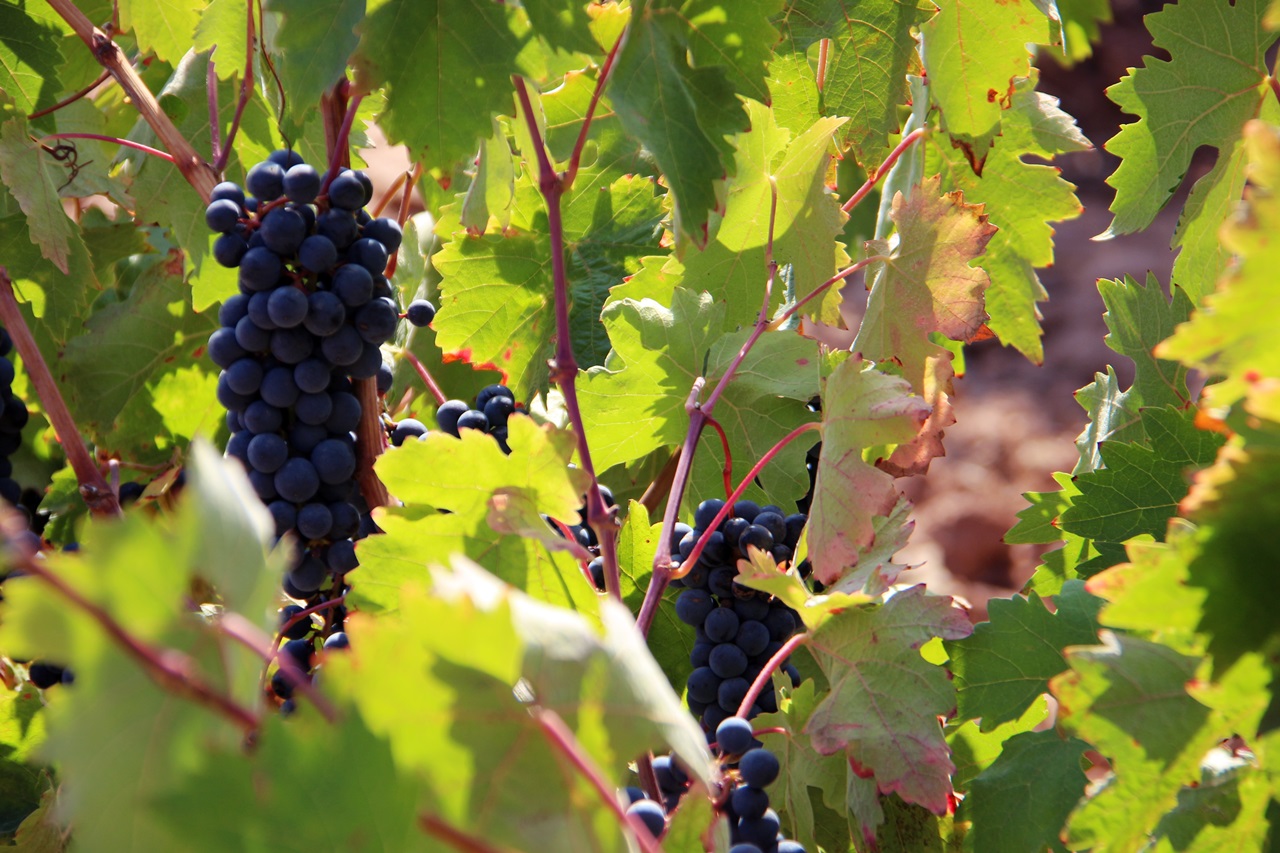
(737, 629)
(754, 827)
(494, 406)
(312, 311)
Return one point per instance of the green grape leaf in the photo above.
(793, 92)
(870, 55)
(563, 24)
(926, 286)
(1129, 698)
(740, 45)
(803, 769)
(30, 60)
(115, 367)
(1227, 809)
(1214, 82)
(1139, 489)
(670, 640)
(492, 187)
(973, 750)
(371, 805)
(222, 24)
(863, 409)
(973, 54)
(1138, 317)
(33, 179)
(635, 402)
(60, 302)
(885, 699)
(441, 90)
(165, 27)
(312, 42)
(1223, 338)
(22, 732)
(1081, 20)
(1038, 523)
(41, 832)
(1005, 665)
(807, 219)
(1039, 777)
(451, 660)
(1021, 199)
(1233, 503)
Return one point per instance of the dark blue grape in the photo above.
(308, 577)
(284, 514)
(721, 625)
(759, 767)
(448, 414)
(334, 461)
(693, 606)
(222, 215)
(343, 347)
(229, 398)
(367, 186)
(720, 581)
(346, 519)
(734, 737)
(291, 346)
(703, 685)
(727, 661)
(367, 365)
(751, 608)
(795, 525)
(749, 803)
(733, 528)
(315, 521)
(497, 411)
(341, 556)
(753, 637)
(233, 308)
(259, 310)
(265, 181)
(251, 337)
(325, 314)
(385, 231)
(700, 654)
(649, 815)
(369, 254)
(471, 419)
(746, 509)
(386, 377)
(346, 413)
(285, 158)
(314, 409)
(297, 480)
(264, 485)
(706, 513)
(420, 312)
(302, 183)
(788, 846)
(756, 536)
(353, 285)
(346, 192)
(488, 392)
(278, 387)
(268, 452)
(713, 716)
(304, 437)
(336, 642)
(228, 190)
(406, 429)
(287, 307)
(339, 226)
(376, 321)
(382, 288)
(317, 253)
(260, 268)
(311, 375)
(244, 376)
(229, 249)
(283, 231)
(238, 446)
(781, 623)
(44, 675)
(731, 693)
(298, 629)
(774, 523)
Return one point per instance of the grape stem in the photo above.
(198, 173)
(340, 155)
(252, 638)
(171, 669)
(762, 679)
(94, 489)
(405, 199)
(457, 839)
(425, 376)
(563, 741)
(220, 158)
(564, 366)
(874, 177)
(71, 99)
(728, 454)
(126, 143)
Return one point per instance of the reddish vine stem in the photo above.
(757, 686)
(564, 367)
(425, 376)
(340, 155)
(388, 194)
(246, 90)
(874, 177)
(688, 563)
(170, 669)
(71, 99)
(198, 173)
(454, 837)
(728, 454)
(605, 71)
(563, 741)
(824, 52)
(822, 288)
(251, 637)
(126, 143)
(94, 489)
(402, 215)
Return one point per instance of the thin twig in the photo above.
(563, 741)
(198, 173)
(252, 638)
(303, 614)
(126, 143)
(211, 95)
(605, 70)
(246, 90)
(757, 686)
(403, 214)
(94, 489)
(340, 152)
(822, 288)
(388, 194)
(564, 367)
(874, 177)
(425, 376)
(728, 454)
(824, 52)
(71, 99)
(171, 669)
(454, 837)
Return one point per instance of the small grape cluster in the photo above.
(298, 629)
(753, 826)
(494, 406)
(313, 310)
(13, 417)
(738, 629)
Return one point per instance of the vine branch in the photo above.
(71, 99)
(757, 686)
(198, 173)
(874, 177)
(172, 670)
(457, 839)
(94, 488)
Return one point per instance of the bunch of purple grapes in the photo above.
(312, 311)
(494, 406)
(738, 629)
